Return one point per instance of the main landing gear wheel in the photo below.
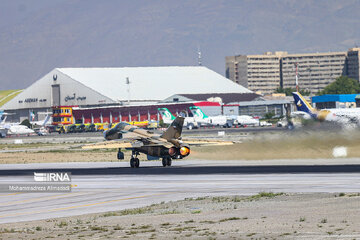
(166, 161)
(134, 163)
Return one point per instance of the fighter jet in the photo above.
(167, 145)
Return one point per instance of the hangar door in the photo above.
(55, 95)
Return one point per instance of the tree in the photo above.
(26, 122)
(342, 85)
(269, 115)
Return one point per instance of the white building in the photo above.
(88, 87)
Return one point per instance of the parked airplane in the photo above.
(168, 145)
(340, 115)
(12, 128)
(246, 120)
(19, 130)
(40, 127)
(203, 119)
(42, 123)
(168, 118)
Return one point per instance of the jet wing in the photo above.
(125, 143)
(202, 142)
(110, 144)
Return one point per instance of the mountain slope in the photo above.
(37, 36)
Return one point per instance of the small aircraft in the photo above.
(246, 120)
(203, 119)
(40, 127)
(19, 130)
(42, 123)
(167, 145)
(339, 115)
(12, 128)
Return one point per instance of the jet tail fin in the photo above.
(197, 112)
(303, 105)
(166, 115)
(47, 118)
(175, 129)
(2, 117)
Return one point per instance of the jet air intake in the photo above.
(112, 134)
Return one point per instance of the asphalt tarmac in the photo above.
(100, 187)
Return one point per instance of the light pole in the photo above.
(309, 69)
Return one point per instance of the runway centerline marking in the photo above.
(9, 194)
(80, 206)
(39, 198)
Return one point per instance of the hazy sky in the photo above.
(39, 35)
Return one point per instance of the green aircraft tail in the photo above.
(197, 112)
(166, 114)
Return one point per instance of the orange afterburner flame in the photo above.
(184, 151)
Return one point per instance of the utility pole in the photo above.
(296, 77)
(128, 89)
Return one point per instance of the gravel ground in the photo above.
(262, 216)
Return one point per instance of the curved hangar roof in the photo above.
(94, 86)
(152, 83)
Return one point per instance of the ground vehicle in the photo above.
(90, 127)
(265, 124)
(60, 129)
(282, 123)
(3, 132)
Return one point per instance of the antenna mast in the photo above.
(199, 56)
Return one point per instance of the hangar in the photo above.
(118, 87)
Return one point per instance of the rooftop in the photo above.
(334, 98)
(226, 98)
(152, 83)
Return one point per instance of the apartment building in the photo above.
(259, 73)
(265, 73)
(353, 63)
(315, 70)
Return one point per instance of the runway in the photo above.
(114, 186)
